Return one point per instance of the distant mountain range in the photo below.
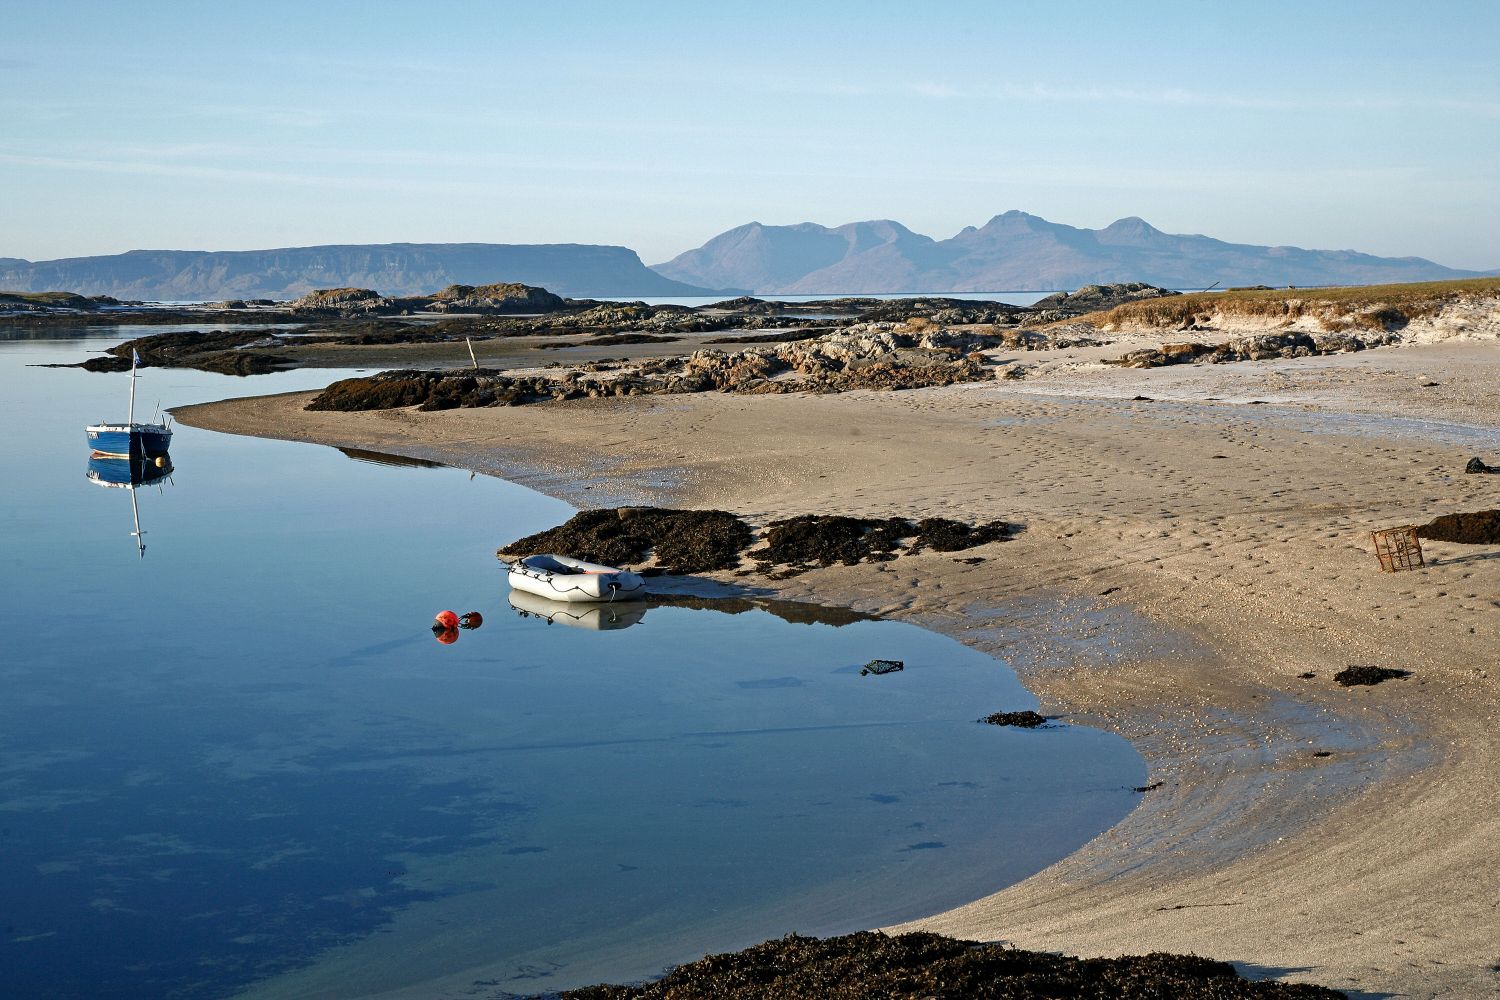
(393, 269)
(1011, 252)
(1015, 251)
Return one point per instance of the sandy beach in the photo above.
(1186, 559)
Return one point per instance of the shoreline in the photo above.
(1227, 577)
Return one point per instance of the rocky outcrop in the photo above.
(873, 356)
(1095, 298)
(1259, 347)
(44, 302)
(509, 297)
(497, 299)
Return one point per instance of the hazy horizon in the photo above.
(1362, 126)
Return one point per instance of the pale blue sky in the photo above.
(1373, 126)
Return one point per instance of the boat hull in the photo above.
(561, 578)
(130, 440)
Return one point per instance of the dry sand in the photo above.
(1184, 561)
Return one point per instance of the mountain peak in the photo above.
(1016, 250)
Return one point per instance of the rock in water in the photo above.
(1023, 720)
(1476, 465)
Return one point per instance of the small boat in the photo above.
(130, 439)
(563, 578)
(589, 617)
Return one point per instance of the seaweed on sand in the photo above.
(1479, 527)
(1364, 675)
(683, 541)
(872, 966)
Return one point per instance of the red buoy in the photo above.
(447, 619)
(447, 636)
(471, 620)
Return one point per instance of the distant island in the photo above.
(396, 269)
(1012, 252)
(1016, 251)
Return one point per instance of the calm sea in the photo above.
(239, 764)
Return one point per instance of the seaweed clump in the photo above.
(1480, 527)
(696, 541)
(872, 966)
(1022, 720)
(683, 541)
(823, 540)
(1364, 675)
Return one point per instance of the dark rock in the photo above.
(1259, 347)
(1366, 675)
(879, 667)
(870, 965)
(1024, 720)
(682, 541)
(106, 364)
(506, 297)
(610, 340)
(1096, 298)
(1480, 527)
(1477, 466)
(1147, 788)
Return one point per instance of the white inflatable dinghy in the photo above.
(563, 578)
(590, 617)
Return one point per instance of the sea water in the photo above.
(240, 763)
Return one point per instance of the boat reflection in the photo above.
(120, 472)
(592, 617)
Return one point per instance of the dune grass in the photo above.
(1370, 307)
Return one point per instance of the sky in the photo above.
(236, 125)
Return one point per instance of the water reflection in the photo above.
(382, 458)
(590, 617)
(119, 472)
(606, 617)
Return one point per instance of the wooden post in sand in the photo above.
(471, 352)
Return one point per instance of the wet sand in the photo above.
(1185, 560)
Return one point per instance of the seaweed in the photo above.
(1022, 720)
(870, 965)
(1365, 675)
(683, 541)
(1480, 527)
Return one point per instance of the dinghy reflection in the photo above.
(592, 617)
(130, 473)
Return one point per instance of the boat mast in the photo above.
(131, 419)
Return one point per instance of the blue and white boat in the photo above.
(130, 439)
